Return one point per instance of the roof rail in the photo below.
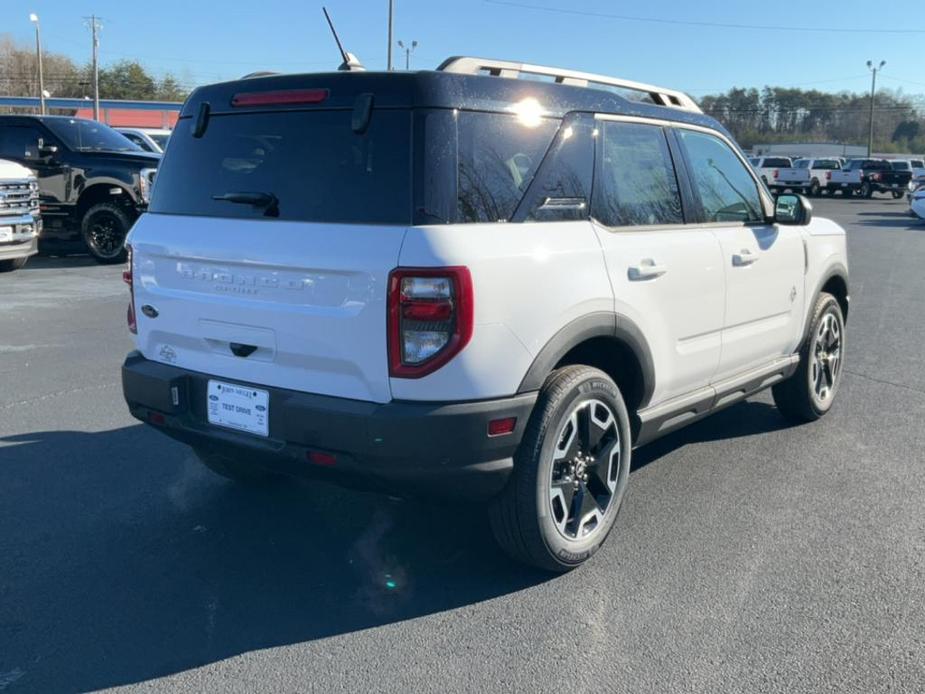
(504, 68)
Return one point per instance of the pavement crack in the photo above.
(886, 383)
(58, 393)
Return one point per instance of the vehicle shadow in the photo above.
(125, 560)
(52, 262)
(748, 418)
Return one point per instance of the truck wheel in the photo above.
(815, 190)
(809, 393)
(104, 228)
(14, 264)
(233, 467)
(866, 191)
(570, 472)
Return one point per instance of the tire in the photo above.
(815, 190)
(104, 228)
(233, 467)
(866, 191)
(561, 501)
(13, 264)
(810, 392)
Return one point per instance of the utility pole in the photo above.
(408, 51)
(873, 90)
(389, 60)
(34, 18)
(94, 23)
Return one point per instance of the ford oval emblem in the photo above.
(213, 398)
(260, 408)
(149, 311)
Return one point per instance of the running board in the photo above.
(681, 411)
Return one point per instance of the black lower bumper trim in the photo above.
(397, 447)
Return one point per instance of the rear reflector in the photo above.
(502, 427)
(280, 98)
(324, 459)
(156, 418)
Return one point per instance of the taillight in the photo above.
(776, 173)
(875, 177)
(828, 175)
(430, 318)
(127, 277)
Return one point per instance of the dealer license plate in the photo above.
(239, 407)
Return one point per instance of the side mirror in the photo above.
(794, 210)
(47, 150)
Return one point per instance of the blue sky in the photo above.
(201, 43)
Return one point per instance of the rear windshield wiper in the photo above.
(268, 202)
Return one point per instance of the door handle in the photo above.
(647, 269)
(744, 258)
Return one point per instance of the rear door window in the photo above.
(316, 166)
(727, 191)
(637, 185)
(498, 157)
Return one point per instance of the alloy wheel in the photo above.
(827, 357)
(105, 235)
(585, 470)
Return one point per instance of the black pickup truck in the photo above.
(879, 176)
(93, 182)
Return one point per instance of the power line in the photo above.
(684, 22)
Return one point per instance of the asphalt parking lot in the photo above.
(750, 556)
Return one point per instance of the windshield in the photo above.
(90, 136)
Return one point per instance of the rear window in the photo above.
(315, 165)
(801, 164)
(918, 164)
(826, 164)
(777, 163)
(900, 165)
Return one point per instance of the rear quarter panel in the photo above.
(529, 280)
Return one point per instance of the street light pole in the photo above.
(34, 18)
(873, 91)
(408, 51)
(389, 60)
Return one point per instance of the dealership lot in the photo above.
(750, 556)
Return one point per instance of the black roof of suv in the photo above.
(437, 89)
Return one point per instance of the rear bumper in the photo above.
(397, 447)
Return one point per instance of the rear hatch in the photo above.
(266, 252)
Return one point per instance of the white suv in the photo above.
(462, 282)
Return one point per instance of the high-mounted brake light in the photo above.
(430, 318)
(280, 98)
(127, 277)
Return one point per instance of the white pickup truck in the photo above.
(820, 174)
(779, 174)
(20, 223)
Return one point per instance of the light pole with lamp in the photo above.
(873, 89)
(408, 51)
(34, 18)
